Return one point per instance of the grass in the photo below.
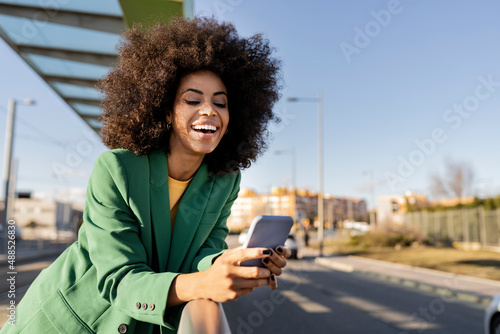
(481, 263)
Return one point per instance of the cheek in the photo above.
(226, 118)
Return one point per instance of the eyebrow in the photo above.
(201, 93)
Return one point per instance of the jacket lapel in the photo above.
(160, 207)
(189, 213)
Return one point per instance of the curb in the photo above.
(445, 292)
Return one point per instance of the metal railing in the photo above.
(203, 316)
(467, 225)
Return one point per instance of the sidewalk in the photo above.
(28, 250)
(448, 285)
(451, 286)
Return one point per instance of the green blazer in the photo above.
(106, 281)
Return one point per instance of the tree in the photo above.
(456, 182)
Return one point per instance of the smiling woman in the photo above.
(185, 108)
(200, 120)
(141, 91)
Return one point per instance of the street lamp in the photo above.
(319, 100)
(9, 141)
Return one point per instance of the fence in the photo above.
(467, 225)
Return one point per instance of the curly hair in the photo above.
(139, 91)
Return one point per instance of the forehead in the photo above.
(206, 81)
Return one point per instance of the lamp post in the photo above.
(319, 100)
(9, 141)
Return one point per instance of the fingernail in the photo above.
(267, 251)
(273, 278)
(279, 249)
(265, 260)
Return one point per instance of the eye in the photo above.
(220, 105)
(191, 102)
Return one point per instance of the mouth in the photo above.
(205, 128)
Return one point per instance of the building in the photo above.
(46, 219)
(390, 209)
(302, 205)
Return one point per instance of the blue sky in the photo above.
(406, 84)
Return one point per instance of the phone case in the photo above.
(268, 232)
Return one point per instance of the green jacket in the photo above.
(104, 282)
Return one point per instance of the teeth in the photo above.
(205, 127)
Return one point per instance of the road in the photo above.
(313, 299)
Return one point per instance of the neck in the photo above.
(182, 167)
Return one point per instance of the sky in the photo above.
(406, 85)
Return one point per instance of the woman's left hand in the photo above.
(275, 262)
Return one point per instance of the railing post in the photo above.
(498, 225)
(482, 226)
(465, 222)
(203, 316)
(449, 224)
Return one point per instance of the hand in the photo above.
(226, 280)
(275, 262)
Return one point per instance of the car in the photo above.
(292, 245)
(243, 236)
(492, 317)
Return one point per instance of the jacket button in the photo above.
(122, 329)
(138, 305)
(151, 307)
(144, 306)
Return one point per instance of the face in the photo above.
(200, 116)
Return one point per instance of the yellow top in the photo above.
(176, 189)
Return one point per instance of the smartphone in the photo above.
(268, 232)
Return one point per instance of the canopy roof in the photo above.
(71, 44)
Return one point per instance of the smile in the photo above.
(205, 128)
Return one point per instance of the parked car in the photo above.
(492, 317)
(243, 236)
(291, 244)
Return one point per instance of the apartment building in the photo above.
(302, 205)
(46, 219)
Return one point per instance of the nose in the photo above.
(207, 110)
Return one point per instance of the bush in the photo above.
(386, 238)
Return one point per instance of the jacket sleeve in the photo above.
(215, 244)
(123, 277)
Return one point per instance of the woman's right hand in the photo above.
(226, 280)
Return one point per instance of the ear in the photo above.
(168, 116)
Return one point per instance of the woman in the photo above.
(185, 108)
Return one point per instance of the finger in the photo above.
(284, 251)
(238, 255)
(250, 272)
(250, 283)
(269, 263)
(278, 260)
(272, 282)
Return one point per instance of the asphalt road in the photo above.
(314, 299)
